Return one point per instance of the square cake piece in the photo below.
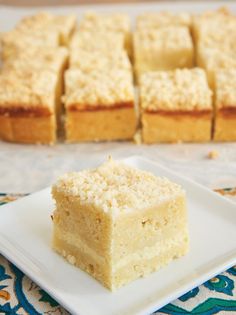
(119, 223)
(113, 23)
(166, 48)
(28, 105)
(225, 105)
(99, 105)
(64, 25)
(35, 59)
(176, 106)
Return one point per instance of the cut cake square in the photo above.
(175, 106)
(99, 105)
(28, 105)
(225, 105)
(113, 23)
(119, 223)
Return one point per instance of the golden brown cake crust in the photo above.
(84, 108)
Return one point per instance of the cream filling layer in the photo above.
(143, 254)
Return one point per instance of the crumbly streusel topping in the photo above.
(27, 88)
(89, 61)
(170, 37)
(225, 83)
(44, 20)
(216, 58)
(213, 22)
(117, 188)
(105, 22)
(99, 41)
(16, 40)
(104, 88)
(160, 19)
(37, 58)
(181, 89)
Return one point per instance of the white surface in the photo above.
(25, 240)
(27, 168)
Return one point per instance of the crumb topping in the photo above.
(37, 58)
(168, 38)
(99, 41)
(117, 188)
(116, 22)
(88, 61)
(212, 22)
(99, 88)
(27, 88)
(181, 89)
(225, 82)
(14, 40)
(46, 21)
(212, 155)
(160, 19)
(215, 58)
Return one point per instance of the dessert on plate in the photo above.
(119, 223)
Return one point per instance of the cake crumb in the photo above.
(138, 137)
(212, 155)
(71, 259)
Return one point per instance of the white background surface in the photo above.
(28, 168)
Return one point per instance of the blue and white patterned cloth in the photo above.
(19, 295)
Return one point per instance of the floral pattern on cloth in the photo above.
(19, 295)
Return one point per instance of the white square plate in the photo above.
(25, 236)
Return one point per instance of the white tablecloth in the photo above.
(28, 168)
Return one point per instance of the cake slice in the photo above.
(113, 23)
(175, 106)
(64, 25)
(28, 102)
(225, 105)
(35, 59)
(99, 105)
(165, 48)
(119, 223)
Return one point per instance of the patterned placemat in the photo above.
(19, 295)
